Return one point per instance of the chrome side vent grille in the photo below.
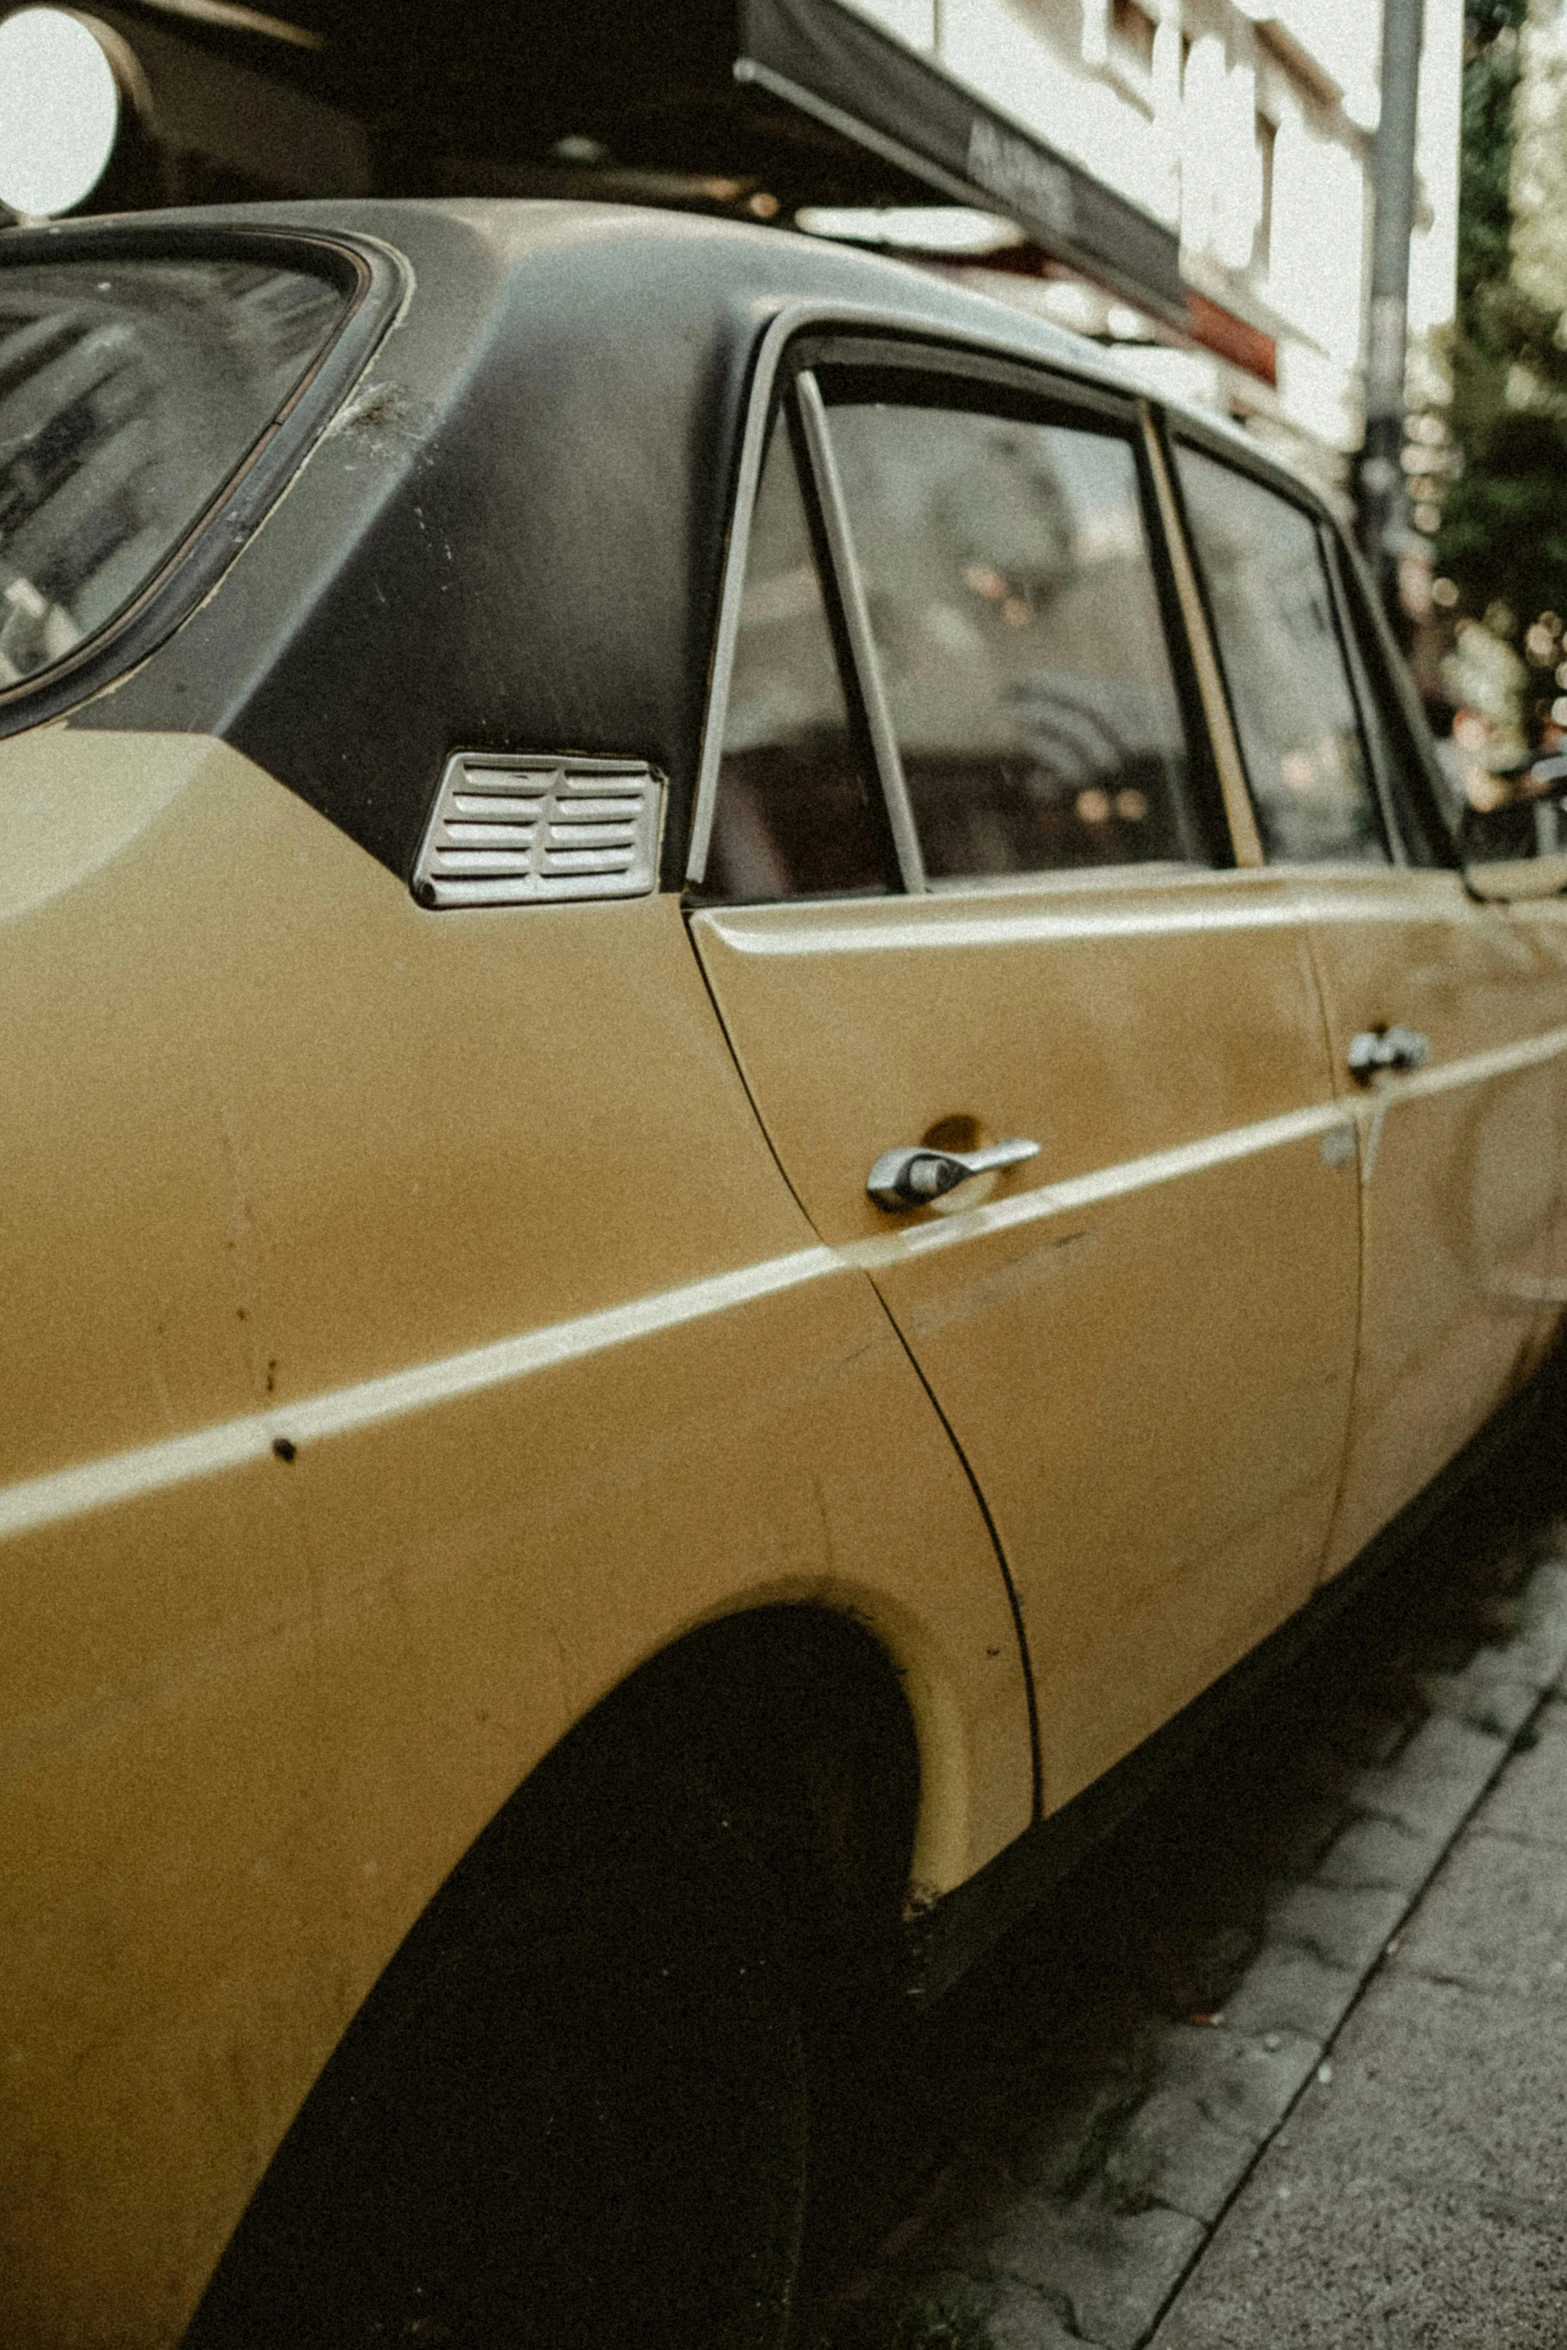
(512, 832)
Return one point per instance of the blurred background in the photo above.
(1340, 223)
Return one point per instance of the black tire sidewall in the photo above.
(571, 2116)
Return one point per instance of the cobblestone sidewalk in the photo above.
(1410, 2154)
(1417, 2194)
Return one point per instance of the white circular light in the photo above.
(59, 112)
(920, 228)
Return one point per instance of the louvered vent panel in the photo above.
(507, 832)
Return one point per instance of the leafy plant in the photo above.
(1502, 540)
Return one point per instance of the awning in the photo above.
(856, 80)
(802, 97)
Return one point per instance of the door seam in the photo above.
(1362, 1210)
(1014, 1602)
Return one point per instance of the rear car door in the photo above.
(1447, 1018)
(963, 876)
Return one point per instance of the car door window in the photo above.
(796, 813)
(1272, 609)
(1407, 796)
(1017, 627)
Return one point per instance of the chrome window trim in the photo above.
(1202, 644)
(857, 621)
(793, 318)
(1330, 543)
(1360, 689)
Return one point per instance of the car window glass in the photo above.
(1384, 725)
(795, 814)
(1017, 625)
(130, 391)
(1289, 688)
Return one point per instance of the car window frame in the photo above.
(1411, 833)
(1336, 556)
(374, 280)
(786, 419)
(1376, 662)
(879, 350)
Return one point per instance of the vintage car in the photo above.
(750, 1100)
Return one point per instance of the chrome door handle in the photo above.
(1376, 1049)
(909, 1178)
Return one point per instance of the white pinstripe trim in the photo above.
(176, 1460)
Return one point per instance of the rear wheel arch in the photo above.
(797, 1721)
(753, 1790)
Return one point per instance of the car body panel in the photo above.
(556, 1390)
(1143, 1338)
(1460, 1165)
(1545, 923)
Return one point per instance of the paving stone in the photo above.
(1175, 2152)
(1249, 2080)
(953, 2311)
(1494, 1919)
(1531, 1801)
(1290, 1988)
(1219, 2098)
(1063, 2144)
(1491, 1693)
(1538, 1647)
(1327, 2259)
(1313, 1829)
(1346, 1926)
(1442, 1749)
(1114, 2270)
(1381, 1852)
(1440, 1775)
(1433, 2081)
(1022, 2319)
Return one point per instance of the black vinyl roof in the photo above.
(509, 536)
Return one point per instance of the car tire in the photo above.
(571, 2117)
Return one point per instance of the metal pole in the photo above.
(1383, 524)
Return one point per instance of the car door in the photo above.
(963, 878)
(1447, 1018)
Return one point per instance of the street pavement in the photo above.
(1417, 2193)
(1317, 2096)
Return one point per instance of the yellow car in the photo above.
(749, 1100)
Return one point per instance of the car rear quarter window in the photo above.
(1017, 626)
(131, 392)
(796, 815)
(1272, 607)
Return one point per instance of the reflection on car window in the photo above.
(1384, 729)
(130, 391)
(794, 817)
(1284, 664)
(1017, 624)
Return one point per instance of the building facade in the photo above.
(1247, 127)
(1189, 178)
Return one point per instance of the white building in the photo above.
(1247, 127)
